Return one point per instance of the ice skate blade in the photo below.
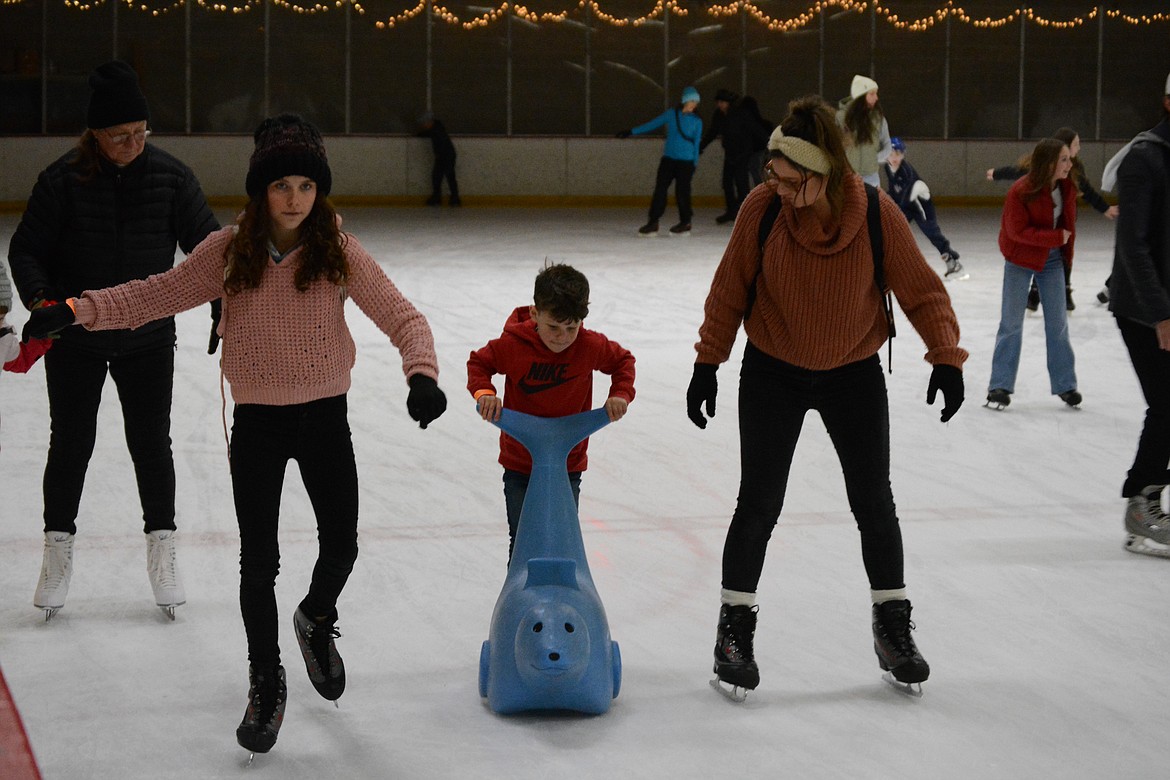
(733, 693)
(962, 276)
(168, 610)
(994, 406)
(1143, 546)
(910, 689)
(49, 612)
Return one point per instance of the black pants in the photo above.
(735, 181)
(264, 438)
(444, 167)
(680, 173)
(1151, 464)
(773, 399)
(144, 382)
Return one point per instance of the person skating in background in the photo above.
(761, 133)
(740, 135)
(1084, 187)
(910, 192)
(867, 133)
(1139, 297)
(814, 321)
(113, 209)
(547, 358)
(284, 274)
(680, 157)
(444, 165)
(1036, 236)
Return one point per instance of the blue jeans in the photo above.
(1005, 362)
(515, 488)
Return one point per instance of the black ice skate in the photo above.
(998, 399)
(266, 699)
(735, 663)
(324, 665)
(895, 648)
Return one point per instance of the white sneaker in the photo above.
(56, 571)
(164, 571)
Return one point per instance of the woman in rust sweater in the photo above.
(814, 321)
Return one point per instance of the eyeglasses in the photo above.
(121, 139)
(790, 185)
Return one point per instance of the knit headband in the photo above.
(807, 155)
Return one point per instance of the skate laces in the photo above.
(320, 637)
(896, 626)
(58, 557)
(265, 697)
(162, 562)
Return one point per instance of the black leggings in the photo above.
(264, 438)
(773, 399)
(1151, 464)
(144, 381)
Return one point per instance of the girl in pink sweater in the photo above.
(284, 274)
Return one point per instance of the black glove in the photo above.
(950, 380)
(702, 389)
(43, 322)
(216, 311)
(622, 134)
(426, 402)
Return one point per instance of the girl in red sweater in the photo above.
(1036, 236)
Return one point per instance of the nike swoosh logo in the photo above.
(533, 389)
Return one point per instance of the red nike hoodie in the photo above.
(544, 383)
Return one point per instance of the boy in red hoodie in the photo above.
(548, 358)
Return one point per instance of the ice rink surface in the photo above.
(1047, 640)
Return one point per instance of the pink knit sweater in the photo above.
(817, 306)
(280, 346)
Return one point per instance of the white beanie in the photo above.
(861, 86)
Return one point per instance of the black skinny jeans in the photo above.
(264, 438)
(1151, 464)
(144, 381)
(680, 172)
(773, 399)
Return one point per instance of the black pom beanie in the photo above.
(287, 145)
(116, 98)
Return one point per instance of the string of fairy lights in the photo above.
(483, 18)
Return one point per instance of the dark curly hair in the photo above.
(323, 256)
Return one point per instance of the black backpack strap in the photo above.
(873, 219)
(766, 223)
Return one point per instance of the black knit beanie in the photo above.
(116, 98)
(287, 145)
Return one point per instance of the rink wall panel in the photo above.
(528, 171)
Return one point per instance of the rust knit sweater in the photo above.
(816, 304)
(280, 346)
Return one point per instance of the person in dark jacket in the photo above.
(111, 210)
(444, 167)
(740, 135)
(761, 131)
(1139, 297)
(910, 192)
(1080, 178)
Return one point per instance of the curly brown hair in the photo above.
(323, 256)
